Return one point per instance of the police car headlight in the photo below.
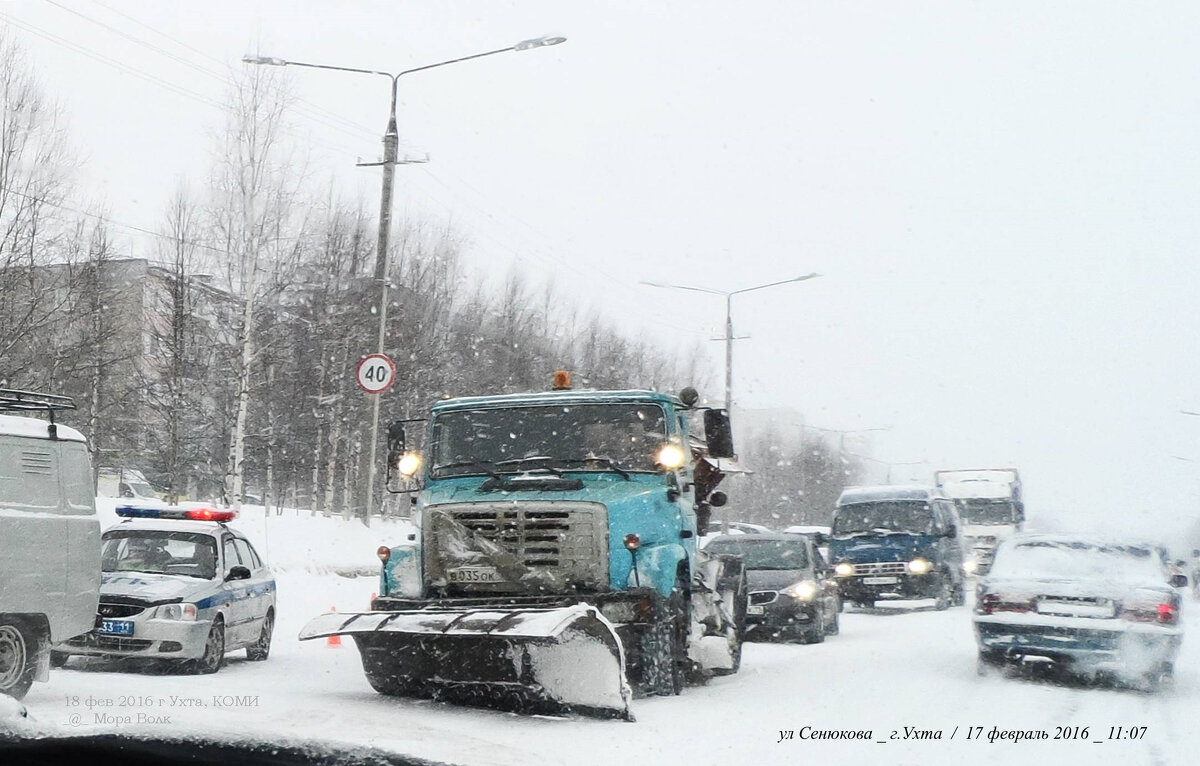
(802, 591)
(843, 569)
(919, 566)
(176, 612)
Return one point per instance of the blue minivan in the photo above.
(897, 542)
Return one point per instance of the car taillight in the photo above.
(1168, 613)
(994, 602)
(1164, 612)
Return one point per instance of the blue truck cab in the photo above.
(546, 522)
(897, 542)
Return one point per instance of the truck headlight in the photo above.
(176, 612)
(671, 457)
(843, 569)
(804, 590)
(919, 566)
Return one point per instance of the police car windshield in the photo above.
(160, 552)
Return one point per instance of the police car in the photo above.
(178, 584)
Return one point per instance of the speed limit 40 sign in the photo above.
(376, 373)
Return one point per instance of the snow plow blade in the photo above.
(552, 661)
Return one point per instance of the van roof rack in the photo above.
(13, 400)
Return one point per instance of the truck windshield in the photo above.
(765, 554)
(576, 437)
(985, 512)
(884, 517)
(160, 552)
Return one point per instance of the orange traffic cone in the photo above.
(333, 641)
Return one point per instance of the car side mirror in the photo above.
(717, 499)
(1179, 581)
(820, 539)
(952, 531)
(238, 572)
(718, 433)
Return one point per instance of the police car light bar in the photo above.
(180, 514)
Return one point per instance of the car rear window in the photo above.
(1076, 561)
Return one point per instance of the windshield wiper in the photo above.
(520, 462)
(482, 465)
(607, 461)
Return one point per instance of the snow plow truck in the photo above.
(555, 569)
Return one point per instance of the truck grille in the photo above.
(880, 568)
(566, 539)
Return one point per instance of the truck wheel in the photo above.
(17, 661)
(380, 672)
(679, 626)
(945, 595)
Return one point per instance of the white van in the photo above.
(49, 538)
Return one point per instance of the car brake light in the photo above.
(994, 602)
(1168, 613)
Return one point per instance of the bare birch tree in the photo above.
(255, 183)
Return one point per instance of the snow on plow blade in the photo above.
(543, 661)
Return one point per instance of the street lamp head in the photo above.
(263, 60)
(539, 42)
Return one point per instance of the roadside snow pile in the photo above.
(298, 541)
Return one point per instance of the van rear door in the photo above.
(33, 570)
(81, 549)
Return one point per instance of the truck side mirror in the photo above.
(952, 531)
(395, 441)
(718, 433)
(717, 499)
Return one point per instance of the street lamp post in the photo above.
(728, 294)
(391, 141)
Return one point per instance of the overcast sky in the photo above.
(1002, 197)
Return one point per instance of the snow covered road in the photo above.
(885, 672)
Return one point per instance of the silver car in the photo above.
(179, 585)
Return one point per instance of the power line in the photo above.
(179, 90)
(319, 110)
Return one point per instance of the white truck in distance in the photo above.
(991, 509)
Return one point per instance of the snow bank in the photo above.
(298, 541)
